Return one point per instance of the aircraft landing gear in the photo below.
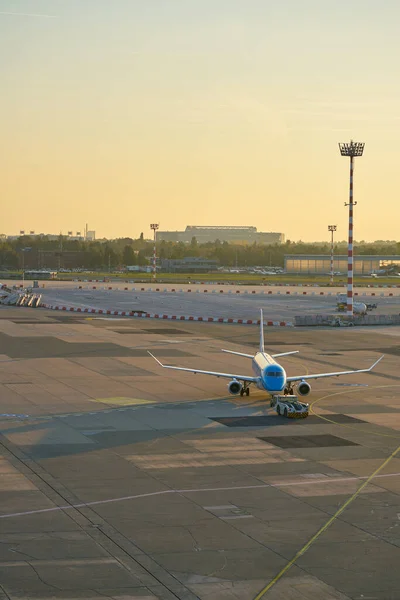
(288, 391)
(245, 390)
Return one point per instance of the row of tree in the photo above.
(36, 252)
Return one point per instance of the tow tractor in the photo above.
(372, 306)
(289, 406)
(338, 322)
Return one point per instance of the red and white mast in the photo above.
(352, 150)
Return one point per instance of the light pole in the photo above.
(332, 228)
(352, 150)
(154, 227)
(23, 250)
(60, 252)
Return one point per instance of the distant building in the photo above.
(40, 274)
(233, 235)
(37, 235)
(89, 235)
(50, 237)
(363, 264)
(189, 265)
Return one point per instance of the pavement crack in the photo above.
(41, 579)
(22, 553)
(196, 546)
(220, 569)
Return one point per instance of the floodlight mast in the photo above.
(154, 227)
(352, 150)
(332, 229)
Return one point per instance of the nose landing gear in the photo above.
(288, 391)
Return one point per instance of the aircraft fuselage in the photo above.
(271, 375)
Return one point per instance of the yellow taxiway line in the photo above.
(342, 508)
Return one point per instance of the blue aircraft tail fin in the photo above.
(261, 331)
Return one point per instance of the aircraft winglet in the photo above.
(156, 359)
(375, 363)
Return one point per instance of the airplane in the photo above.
(269, 375)
(359, 308)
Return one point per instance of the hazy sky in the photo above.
(121, 113)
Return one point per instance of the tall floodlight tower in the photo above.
(332, 229)
(154, 227)
(352, 150)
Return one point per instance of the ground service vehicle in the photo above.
(358, 307)
(338, 322)
(289, 406)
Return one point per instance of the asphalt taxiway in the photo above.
(278, 303)
(122, 480)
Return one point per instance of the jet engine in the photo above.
(304, 388)
(234, 387)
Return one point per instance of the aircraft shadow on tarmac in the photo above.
(72, 434)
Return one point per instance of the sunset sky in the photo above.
(121, 113)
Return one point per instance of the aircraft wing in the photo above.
(285, 353)
(214, 373)
(319, 375)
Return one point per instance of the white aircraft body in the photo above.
(359, 308)
(269, 375)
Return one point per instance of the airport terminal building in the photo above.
(233, 235)
(195, 264)
(321, 263)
